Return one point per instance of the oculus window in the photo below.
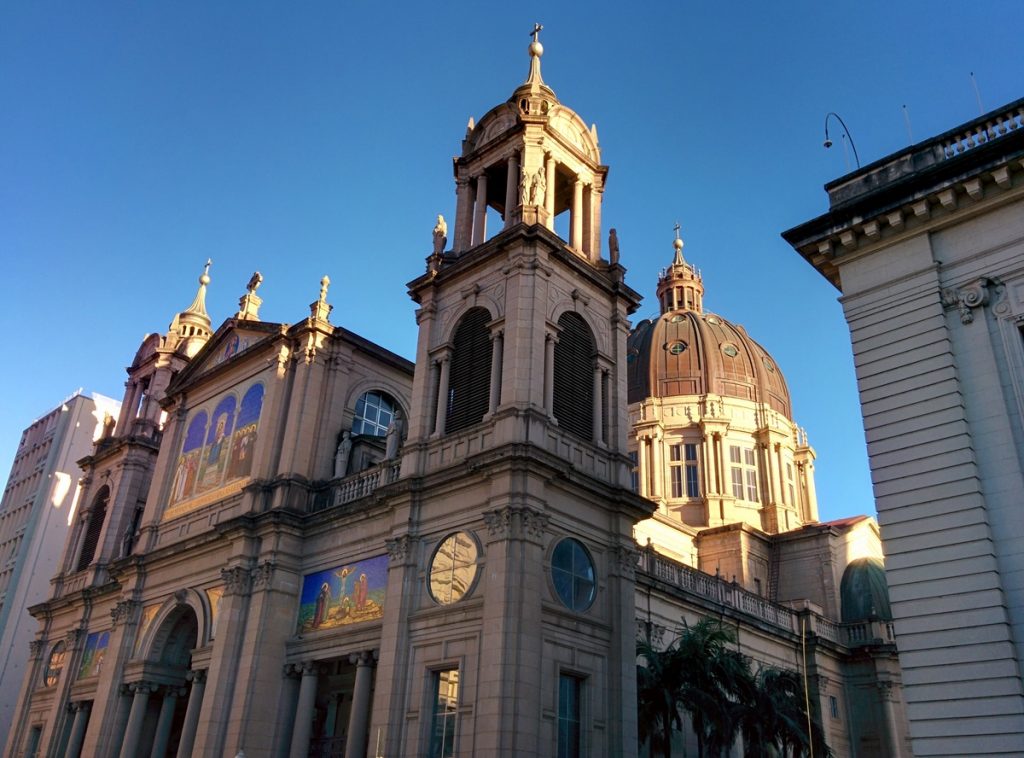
(453, 568)
(572, 572)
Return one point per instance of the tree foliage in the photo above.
(700, 673)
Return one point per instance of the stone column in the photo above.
(359, 716)
(497, 346)
(141, 692)
(512, 188)
(165, 722)
(588, 231)
(892, 722)
(442, 396)
(576, 217)
(549, 374)
(549, 194)
(598, 405)
(480, 211)
(286, 714)
(304, 711)
(657, 464)
(81, 710)
(641, 463)
(463, 215)
(195, 702)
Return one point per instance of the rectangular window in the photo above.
(743, 472)
(446, 702)
(634, 475)
(789, 480)
(833, 706)
(692, 475)
(570, 690)
(677, 481)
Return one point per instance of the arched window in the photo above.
(469, 379)
(93, 528)
(573, 392)
(374, 411)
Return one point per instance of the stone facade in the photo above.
(341, 555)
(927, 247)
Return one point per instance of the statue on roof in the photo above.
(440, 235)
(613, 247)
(254, 282)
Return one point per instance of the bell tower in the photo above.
(515, 465)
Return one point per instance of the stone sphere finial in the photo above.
(677, 243)
(536, 49)
(204, 278)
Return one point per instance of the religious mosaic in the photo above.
(348, 594)
(95, 651)
(218, 445)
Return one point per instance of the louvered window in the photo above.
(573, 396)
(93, 527)
(469, 378)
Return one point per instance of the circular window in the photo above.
(714, 320)
(453, 568)
(676, 318)
(676, 347)
(730, 350)
(572, 572)
(55, 664)
(769, 365)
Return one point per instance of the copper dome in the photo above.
(685, 352)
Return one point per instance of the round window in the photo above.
(769, 365)
(55, 664)
(453, 568)
(676, 318)
(676, 347)
(714, 320)
(730, 350)
(572, 572)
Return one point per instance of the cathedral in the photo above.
(295, 542)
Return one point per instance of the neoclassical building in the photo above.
(297, 543)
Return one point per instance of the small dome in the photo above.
(864, 592)
(686, 352)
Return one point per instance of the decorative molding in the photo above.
(886, 689)
(516, 522)
(262, 575)
(627, 559)
(73, 637)
(237, 580)
(196, 676)
(123, 612)
(36, 648)
(399, 548)
(968, 297)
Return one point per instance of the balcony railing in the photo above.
(359, 485)
(716, 589)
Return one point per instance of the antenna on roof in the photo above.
(906, 118)
(977, 94)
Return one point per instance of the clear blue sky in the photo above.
(138, 139)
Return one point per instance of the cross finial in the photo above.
(536, 31)
(677, 228)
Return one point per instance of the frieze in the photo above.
(965, 299)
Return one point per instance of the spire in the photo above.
(536, 49)
(198, 306)
(190, 329)
(678, 245)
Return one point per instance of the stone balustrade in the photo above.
(360, 485)
(728, 594)
(979, 132)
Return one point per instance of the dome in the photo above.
(687, 352)
(864, 592)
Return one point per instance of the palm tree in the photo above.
(773, 717)
(700, 673)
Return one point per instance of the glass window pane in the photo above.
(453, 568)
(573, 575)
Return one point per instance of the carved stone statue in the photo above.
(538, 188)
(393, 439)
(524, 186)
(109, 422)
(613, 246)
(254, 282)
(341, 455)
(440, 235)
(324, 284)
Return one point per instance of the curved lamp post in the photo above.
(828, 142)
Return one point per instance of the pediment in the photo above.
(232, 342)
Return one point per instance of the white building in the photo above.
(37, 507)
(927, 247)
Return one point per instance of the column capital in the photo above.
(142, 688)
(237, 580)
(363, 658)
(196, 676)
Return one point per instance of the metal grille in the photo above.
(469, 379)
(574, 376)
